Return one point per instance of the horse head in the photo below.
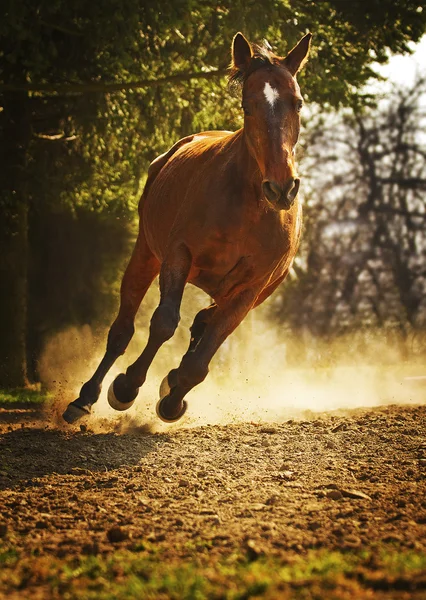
(272, 102)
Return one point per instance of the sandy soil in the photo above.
(335, 481)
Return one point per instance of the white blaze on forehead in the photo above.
(271, 94)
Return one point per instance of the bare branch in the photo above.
(101, 87)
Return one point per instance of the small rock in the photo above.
(352, 541)
(334, 495)
(183, 483)
(422, 462)
(392, 538)
(314, 525)
(117, 534)
(268, 526)
(253, 550)
(266, 443)
(41, 525)
(270, 430)
(285, 466)
(257, 506)
(272, 500)
(355, 494)
(330, 444)
(83, 428)
(221, 537)
(339, 427)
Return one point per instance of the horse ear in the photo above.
(241, 52)
(297, 57)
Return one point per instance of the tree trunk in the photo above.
(14, 139)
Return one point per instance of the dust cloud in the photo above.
(260, 374)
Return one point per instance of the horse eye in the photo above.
(245, 110)
(299, 105)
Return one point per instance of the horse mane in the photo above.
(262, 56)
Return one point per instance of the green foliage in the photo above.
(58, 42)
(108, 139)
(74, 154)
(24, 397)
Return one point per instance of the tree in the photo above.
(365, 248)
(69, 150)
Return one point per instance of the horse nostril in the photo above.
(271, 190)
(292, 189)
(282, 196)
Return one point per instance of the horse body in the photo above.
(220, 210)
(231, 228)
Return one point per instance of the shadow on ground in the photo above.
(32, 452)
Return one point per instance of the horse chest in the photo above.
(232, 259)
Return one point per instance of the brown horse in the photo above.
(219, 210)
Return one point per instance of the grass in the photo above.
(24, 398)
(146, 574)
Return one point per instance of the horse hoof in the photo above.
(74, 412)
(114, 402)
(159, 409)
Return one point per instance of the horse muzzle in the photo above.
(281, 197)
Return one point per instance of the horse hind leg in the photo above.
(194, 366)
(197, 329)
(165, 319)
(141, 271)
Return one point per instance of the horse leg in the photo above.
(197, 329)
(195, 364)
(141, 271)
(165, 319)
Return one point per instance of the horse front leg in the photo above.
(142, 269)
(195, 364)
(165, 319)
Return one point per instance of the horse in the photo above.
(219, 210)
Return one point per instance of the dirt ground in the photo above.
(336, 482)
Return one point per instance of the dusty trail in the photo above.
(335, 481)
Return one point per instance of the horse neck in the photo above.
(248, 167)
